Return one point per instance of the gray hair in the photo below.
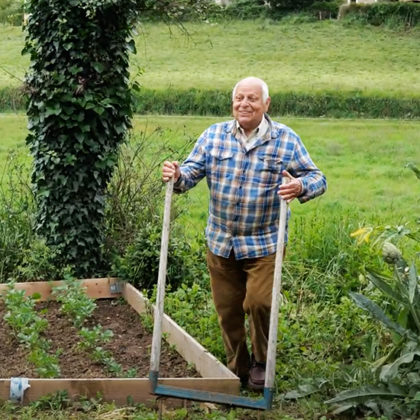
(264, 87)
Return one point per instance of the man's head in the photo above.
(250, 101)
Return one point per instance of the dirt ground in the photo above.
(130, 345)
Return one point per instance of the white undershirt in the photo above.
(254, 135)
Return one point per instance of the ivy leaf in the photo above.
(99, 67)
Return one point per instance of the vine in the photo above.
(79, 111)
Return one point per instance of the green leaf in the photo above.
(378, 280)
(365, 393)
(412, 284)
(99, 67)
(389, 372)
(366, 304)
(131, 46)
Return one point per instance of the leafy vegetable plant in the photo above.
(28, 327)
(74, 301)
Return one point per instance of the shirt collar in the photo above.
(261, 130)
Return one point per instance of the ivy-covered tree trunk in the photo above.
(79, 111)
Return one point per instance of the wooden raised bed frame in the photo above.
(215, 376)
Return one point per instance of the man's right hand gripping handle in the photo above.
(170, 170)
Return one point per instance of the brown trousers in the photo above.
(242, 287)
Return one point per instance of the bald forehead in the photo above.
(252, 83)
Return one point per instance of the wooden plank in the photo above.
(118, 389)
(95, 288)
(189, 348)
(216, 377)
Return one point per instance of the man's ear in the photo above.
(267, 104)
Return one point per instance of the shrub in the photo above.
(325, 104)
(23, 254)
(246, 9)
(388, 13)
(140, 263)
(11, 12)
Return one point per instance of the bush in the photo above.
(11, 12)
(217, 102)
(23, 255)
(246, 9)
(393, 14)
(133, 219)
(140, 264)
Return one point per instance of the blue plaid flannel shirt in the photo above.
(244, 206)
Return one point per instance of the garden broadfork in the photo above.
(264, 403)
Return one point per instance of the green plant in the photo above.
(28, 327)
(11, 12)
(136, 187)
(393, 14)
(191, 307)
(397, 388)
(47, 365)
(75, 303)
(79, 111)
(92, 340)
(140, 264)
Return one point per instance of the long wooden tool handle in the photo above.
(276, 297)
(158, 314)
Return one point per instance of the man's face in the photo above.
(248, 106)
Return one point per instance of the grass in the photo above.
(305, 57)
(364, 161)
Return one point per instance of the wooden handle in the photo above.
(158, 314)
(276, 296)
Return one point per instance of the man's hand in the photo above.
(170, 170)
(290, 190)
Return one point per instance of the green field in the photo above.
(364, 161)
(305, 57)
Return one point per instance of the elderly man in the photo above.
(244, 161)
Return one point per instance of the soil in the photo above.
(130, 345)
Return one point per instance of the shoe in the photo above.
(256, 376)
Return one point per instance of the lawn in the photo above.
(301, 57)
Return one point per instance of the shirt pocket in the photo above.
(222, 165)
(269, 170)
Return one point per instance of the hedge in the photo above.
(389, 13)
(217, 102)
